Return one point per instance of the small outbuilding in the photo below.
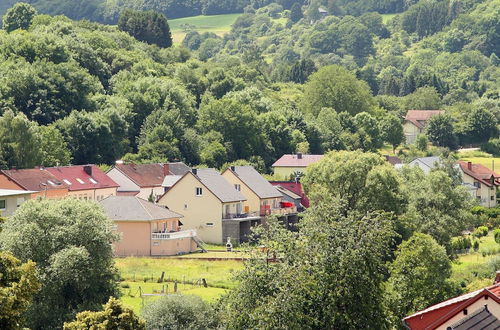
(147, 229)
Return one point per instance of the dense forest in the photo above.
(281, 81)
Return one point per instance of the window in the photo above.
(67, 182)
(237, 187)
(92, 181)
(52, 183)
(2, 204)
(199, 191)
(492, 198)
(210, 224)
(80, 180)
(185, 206)
(477, 184)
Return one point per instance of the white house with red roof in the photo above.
(479, 309)
(294, 165)
(485, 180)
(415, 122)
(86, 182)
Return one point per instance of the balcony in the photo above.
(283, 209)
(174, 235)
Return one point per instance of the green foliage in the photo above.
(18, 283)
(421, 142)
(419, 277)
(296, 13)
(19, 16)
(480, 126)
(392, 131)
(334, 87)
(492, 147)
(70, 241)
(496, 235)
(53, 147)
(179, 312)
(441, 132)
(480, 231)
(147, 26)
(113, 316)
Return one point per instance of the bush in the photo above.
(125, 285)
(476, 245)
(492, 147)
(496, 235)
(480, 231)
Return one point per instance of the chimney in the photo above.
(299, 155)
(166, 169)
(469, 166)
(497, 277)
(194, 171)
(233, 168)
(87, 169)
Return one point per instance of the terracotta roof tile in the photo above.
(480, 173)
(82, 177)
(36, 179)
(297, 160)
(151, 175)
(419, 117)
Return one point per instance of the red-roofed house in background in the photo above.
(475, 310)
(86, 182)
(295, 187)
(293, 165)
(39, 180)
(485, 180)
(415, 121)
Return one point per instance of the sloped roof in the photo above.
(132, 208)
(77, 177)
(287, 192)
(216, 183)
(419, 117)
(13, 192)
(256, 182)
(430, 162)
(36, 179)
(297, 160)
(151, 175)
(170, 180)
(480, 173)
(481, 319)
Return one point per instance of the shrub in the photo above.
(496, 235)
(125, 285)
(492, 147)
(476, 245)
(480, 231)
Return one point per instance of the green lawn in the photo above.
(492, 163)
(218, 24)
(144, 273)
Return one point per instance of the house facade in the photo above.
(10, 200)
(39, 181)
(145, 180)
(147, 229)
(479, 309)
(426, 164)
(415, 122)
(293, 165)
(86, 182)
(485, 180)
(205, 199)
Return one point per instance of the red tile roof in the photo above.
(419, 117)
(82, 177)
(297, 160)
(151, 175)
(36, 179)
(436, 315)
(480, 173)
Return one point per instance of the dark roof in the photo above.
(298, 160)
(481, 319)
(36, 179)
(150, 175)
(216, 183)
(82, 177)
(480, 173)
(256, 182)
(419, 117)
(393, 160)
(132, 208)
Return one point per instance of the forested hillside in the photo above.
(280, 81)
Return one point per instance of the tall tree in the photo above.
(19, 16)
(296, 12)
(391, 131)
(441, 132)
(480, 126)
(70, 241)
(147, 26)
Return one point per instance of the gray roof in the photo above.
(216, 183)
(287, 192)
(132, 208)
(170, 180)
(482, 319)
(12, 192)
(178, 168)
(255, 182)
(430, 162)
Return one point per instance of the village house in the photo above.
(485, 180)
(10, 200)
(145, 180)
(293, 166)
(86, 182)
(479, 309)
(147, 229)
(415, 122)
(37, 180)
(426, 164)
(207, 201)
(295, 187)
(290, 196)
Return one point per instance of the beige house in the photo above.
(293, 166)
(485, 180)
(147, 229)
(10, 200)
(262, 198)
(206, 199)
(415, 122)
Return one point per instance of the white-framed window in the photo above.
(209, 224)
(3, 204)
(237, 187)
(199, 191)
(80, 180)
(92, 181)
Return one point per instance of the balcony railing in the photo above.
(284, 208)
(239, 215)
(174, 235)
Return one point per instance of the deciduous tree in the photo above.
(19, 16)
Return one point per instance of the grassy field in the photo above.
(218, 24)
(144, 273)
